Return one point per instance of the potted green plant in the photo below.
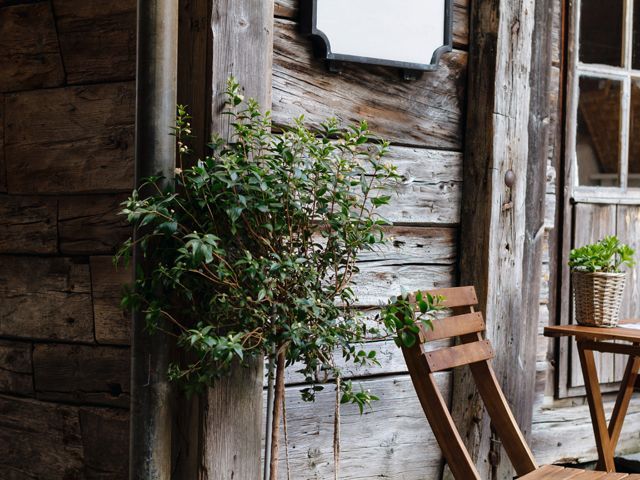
(598, 281)
(252, 250)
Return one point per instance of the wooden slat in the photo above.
(598, 333)
(465, 354)
(395, 441)
(97, 40)
(594, 475)
(28, 225)
(453, 326)
(455, 297)
(70, 140)
(29, 54)
(82, 374)
(90, 225)
(112, 323)
(45, 298)
(552, 472)
(16, 369)
(426, 112)
(3, 168)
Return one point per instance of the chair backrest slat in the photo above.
(463, 354)
(455, 326)
(456, 297)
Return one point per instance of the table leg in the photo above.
(622, 402)
(594, 397)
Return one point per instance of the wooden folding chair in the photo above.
(468, 325)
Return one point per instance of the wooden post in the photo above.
(151, 413)
(220, 38)
(503, 207)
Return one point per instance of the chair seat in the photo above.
(554, 472)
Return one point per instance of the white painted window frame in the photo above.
(624, 74)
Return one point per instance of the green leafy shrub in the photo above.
(253, 249)
(606, 255)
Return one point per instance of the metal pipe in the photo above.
(156, 80)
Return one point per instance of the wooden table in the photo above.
(596, 339)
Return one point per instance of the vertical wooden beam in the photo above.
(503, 207)
(156, 80)
(220, 38)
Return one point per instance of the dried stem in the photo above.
(277, 414)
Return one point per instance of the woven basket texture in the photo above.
(597, 297)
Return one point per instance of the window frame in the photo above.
(625, 73)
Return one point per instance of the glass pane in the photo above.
(636, 35)
(601, 32)
(634, 136)
(598, 134)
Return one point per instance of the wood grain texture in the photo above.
(28, 225)
(29, 53)
(431, 187)
(289, 9)
(97, 39)
(394, 440)
(70, 140)
(3, 166)
(46, 440)
(112, 323)
(45, 298)
(91, 225)
(82, 374)
(426, 112)
(105, 443)
(16, 369)
(493, 252)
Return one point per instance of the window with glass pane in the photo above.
(605, 101)
(601, 32)
(598, 133)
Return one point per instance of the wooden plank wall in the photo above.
(66, 160)
(424, 121)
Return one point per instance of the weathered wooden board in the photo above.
(70, 140)
(392, 440)
(45, 298)
(3, 167)
(375, 283)
(50, 441)
(82, 374)
(289, 9)
(415, 245)
(91, 224)
(105, 443)
(430, 190)
(29, 53)
(16, 370)
(112, 323)
(564, 433)
(425, 112)
(28, 225)
(97, 40)
(39, 440)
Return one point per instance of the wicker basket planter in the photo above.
(597, 297)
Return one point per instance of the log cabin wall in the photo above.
(66, 161)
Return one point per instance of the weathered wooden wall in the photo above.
(424, 119)
(66, 160)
